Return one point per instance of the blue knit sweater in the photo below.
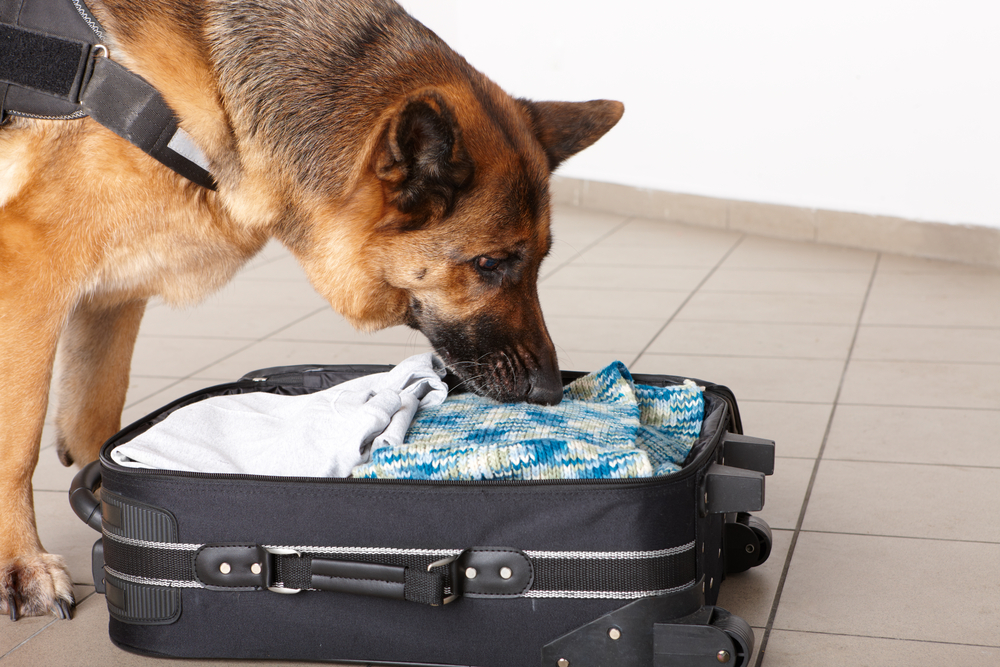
(606, 427)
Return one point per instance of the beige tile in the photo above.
(626, 277)
(609, 303)
(917, 384)
(14, 633)
(777, 308)
(796, 428)
(812, 649)
(784, 492)
(564, 191)
(593, 224)
(326, 326)
(618, 335)
(139, 388)
(63, 533)
(562, 253)
(889, 263)
(985, 284)
(786, 222)
(916, 435)
(696, 210)
(928, 344)
(169, 357)
(756, 252)
(266, 354)
(278, 269)
(926, 239)
(785, 281)
(753, 339)
(659, 242)
(783, 380)
(225, 321)
(18, 636)
(750, 594)
(904, 500)
(649, 203)
(261, 294)
(587, 362)
(656, 252)
(273, 249)
(933, 300)
(890, 587)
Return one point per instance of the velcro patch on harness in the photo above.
(40, 62)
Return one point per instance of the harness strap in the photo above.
(129, 106)
(74, 72)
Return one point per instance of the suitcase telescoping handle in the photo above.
(82, 498)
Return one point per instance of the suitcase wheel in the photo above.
(747, 543)
(740, 633)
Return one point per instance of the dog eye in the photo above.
(485, 263)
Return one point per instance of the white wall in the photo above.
(871, 106)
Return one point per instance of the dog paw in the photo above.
(36, 586)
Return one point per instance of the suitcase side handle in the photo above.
(82, 498)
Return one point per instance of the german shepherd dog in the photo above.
(411, 189)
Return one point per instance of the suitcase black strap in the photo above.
(57, 70)
(426, 576)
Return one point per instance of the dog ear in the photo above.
(422, 160)
(566, 128)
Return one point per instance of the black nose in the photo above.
(546, 387)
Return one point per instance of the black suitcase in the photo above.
(583, 573)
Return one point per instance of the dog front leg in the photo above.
(96, 354)
(32, 582)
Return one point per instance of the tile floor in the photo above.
(877, 375)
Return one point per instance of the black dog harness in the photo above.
(54, 67)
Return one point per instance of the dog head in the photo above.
(465, 227)
(410, 187)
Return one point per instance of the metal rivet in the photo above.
(506, 573)
(224, 568)
(750, 549)
(562, 662)
(255, 568)
(470, 573)
(723, 656)
(615, 634)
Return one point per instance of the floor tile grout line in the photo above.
(28, 639)
(815, 470)
(687, 299)
(880, 637)
(936, 464)
(569, 261)
(915, 538)
(907, 406)
(44, 627)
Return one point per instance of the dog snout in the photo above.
(546, 387)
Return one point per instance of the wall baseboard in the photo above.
(968, 244)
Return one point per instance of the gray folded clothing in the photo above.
(323, 434)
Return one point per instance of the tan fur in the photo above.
(91, 227)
